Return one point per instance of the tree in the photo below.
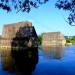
(39, 39)
(21, 5)
(25, 56)
(68, 5)
(27, 5)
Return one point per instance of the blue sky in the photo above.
(46, 18)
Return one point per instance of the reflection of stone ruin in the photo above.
(52, 39)
(53, 52)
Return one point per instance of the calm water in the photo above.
(54, 62)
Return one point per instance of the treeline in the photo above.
(70, 39)
(39, 39)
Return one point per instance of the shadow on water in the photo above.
(23, 56)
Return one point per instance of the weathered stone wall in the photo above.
(9, 32)
(53, 39)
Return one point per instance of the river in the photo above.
(62, 63)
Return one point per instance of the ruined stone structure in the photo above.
(19, 41)
(52, 39)
(9, 32)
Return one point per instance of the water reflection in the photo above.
(22, 57)
(53, 52)
(54, 66)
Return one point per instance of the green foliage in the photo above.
(21, 5)
(39, 40)
(70, 39)
(68, 5)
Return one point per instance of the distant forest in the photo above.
(39, 39)
(70, 39)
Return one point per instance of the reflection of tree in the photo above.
(25, 56)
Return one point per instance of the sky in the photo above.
(46, 18)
